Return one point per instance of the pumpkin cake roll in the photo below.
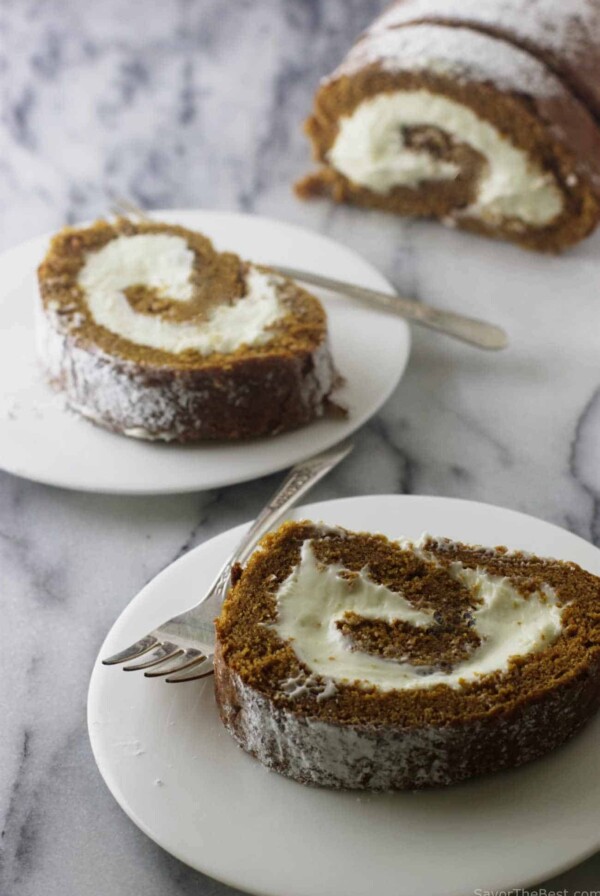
(483, 115)
(152, 333)
(349, 660)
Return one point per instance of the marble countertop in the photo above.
(187, 104)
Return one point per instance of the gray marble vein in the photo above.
(199, 104)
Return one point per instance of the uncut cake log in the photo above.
(150, 332)
(351, 661)
(433, 115)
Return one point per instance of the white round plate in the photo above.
(41, 440)
(181, 778)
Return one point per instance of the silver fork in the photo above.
(182, 648)
(468, 329)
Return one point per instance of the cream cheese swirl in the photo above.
(370, 150)
(315, 597)
(164, 263)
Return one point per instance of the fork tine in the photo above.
(193, 673)
(163, 652)
(117, 205)
(122, 204)
(133, 208)
(121, 211)
(130, 653)
(182, 678)
(187, 660)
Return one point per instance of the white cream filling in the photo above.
(315, 597)
(370, 150)
(164, 262)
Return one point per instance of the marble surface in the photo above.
(199, 104)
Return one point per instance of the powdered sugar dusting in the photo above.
(564, 32)
(456, 52)
(25, 395)
(12, 408)
(563, 25)
(119, 394)
(333, 754)
(303, 683)
(102, 389)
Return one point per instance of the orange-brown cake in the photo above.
(152, 333)
(484, 115)
(348, 660)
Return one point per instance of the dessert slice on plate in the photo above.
(348, 660)
(150, 332)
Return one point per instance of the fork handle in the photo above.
(467, 329)
(300, 479)
(459, 326)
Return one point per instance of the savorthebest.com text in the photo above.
(539, 891)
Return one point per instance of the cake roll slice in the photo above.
(150, 332)
(441, 120)
(348, 660)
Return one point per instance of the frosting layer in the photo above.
(164, 263)
(371, 151)
(315, 598)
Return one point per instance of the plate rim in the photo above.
(293, 456)
(548, 873)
